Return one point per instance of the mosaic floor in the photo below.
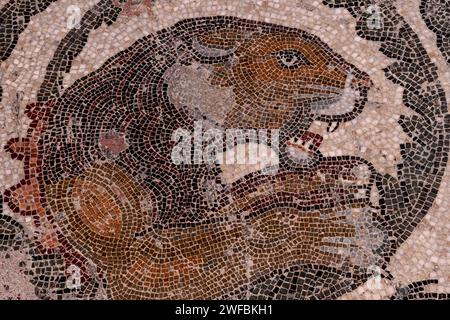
(224, 149)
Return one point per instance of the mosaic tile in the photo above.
(237, 150)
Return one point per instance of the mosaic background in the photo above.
(94, 207)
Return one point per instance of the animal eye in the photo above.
(291, 59)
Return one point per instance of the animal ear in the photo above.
(100, 210)
(216, 47)
(221, 76)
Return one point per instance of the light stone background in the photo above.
(374, 135)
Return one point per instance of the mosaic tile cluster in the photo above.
(158, 149)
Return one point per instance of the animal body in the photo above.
(101, 172)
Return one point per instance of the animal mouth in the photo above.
(331, 101)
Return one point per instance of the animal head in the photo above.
(275, 76)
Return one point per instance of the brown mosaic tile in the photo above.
(224, 149)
